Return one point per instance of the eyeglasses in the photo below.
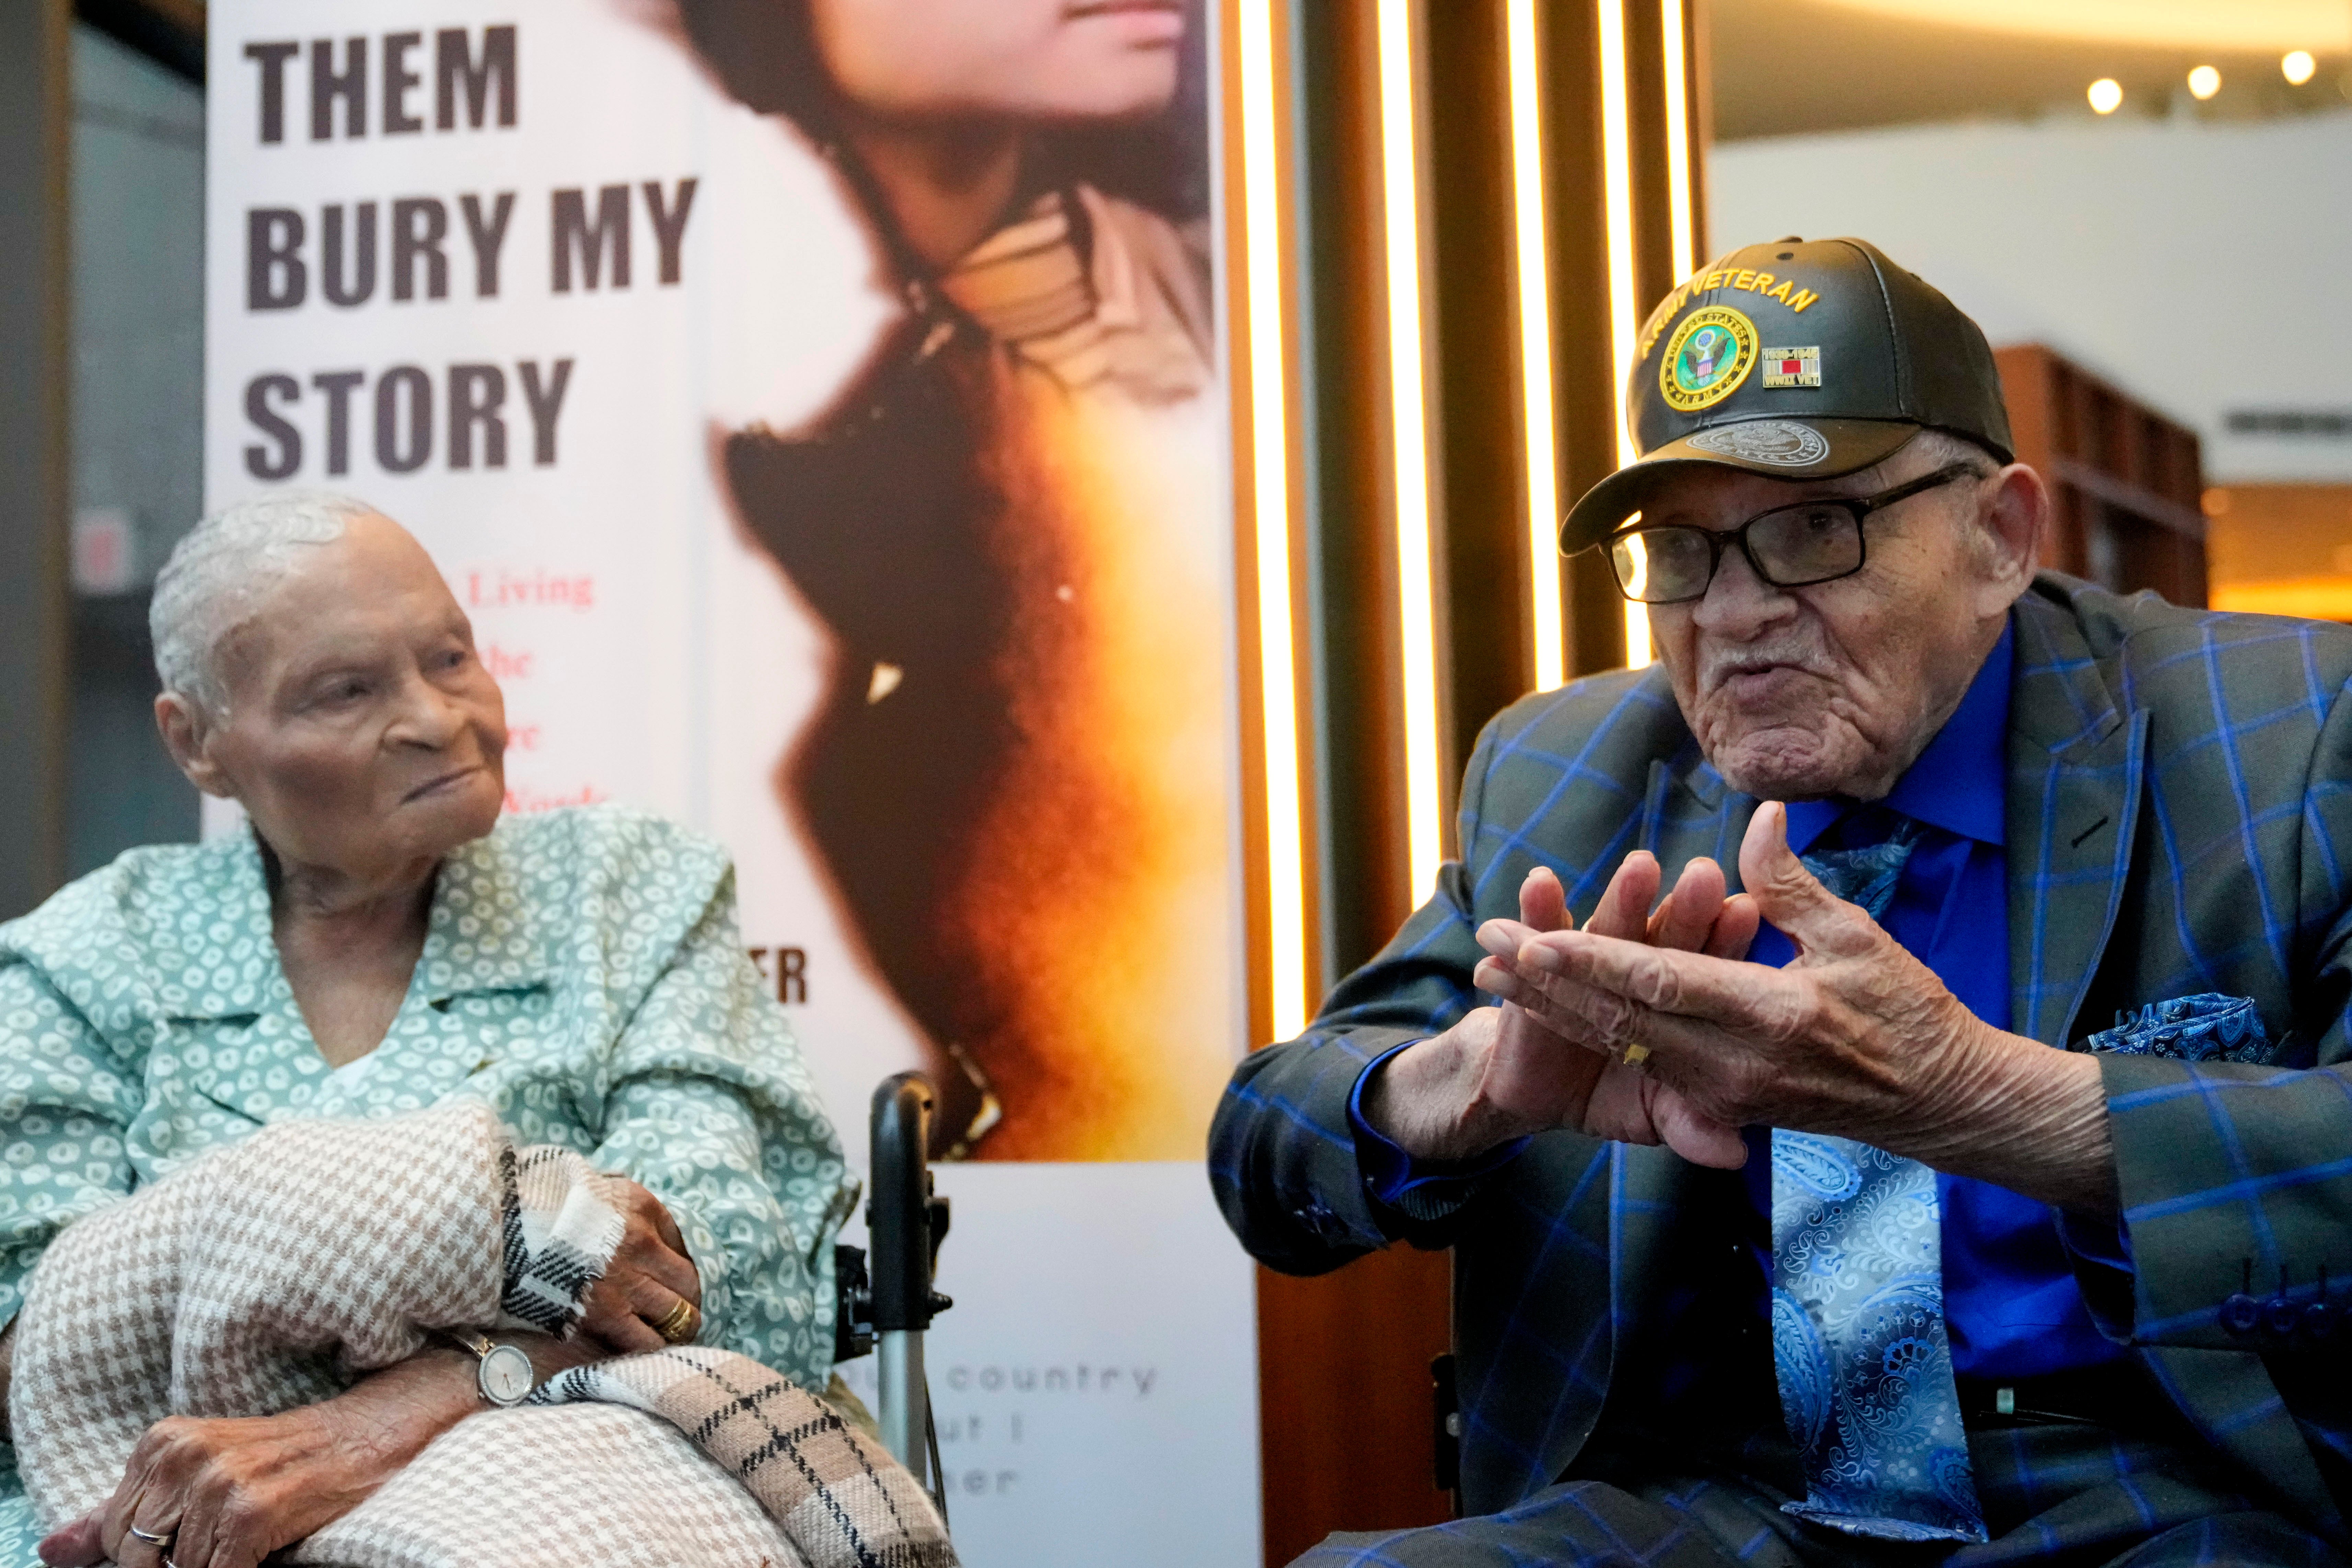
(1790, 546)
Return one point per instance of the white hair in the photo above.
(216, 573)
(1945, 448)
(1942, 448)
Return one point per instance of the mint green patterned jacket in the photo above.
(581, 973)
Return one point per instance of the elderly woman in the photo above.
(380, 942)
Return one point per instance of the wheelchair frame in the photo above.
(886, 1301)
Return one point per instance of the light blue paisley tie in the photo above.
(1858, 1340)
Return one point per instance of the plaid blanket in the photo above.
(275, 1272)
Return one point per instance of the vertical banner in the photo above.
(819, 408)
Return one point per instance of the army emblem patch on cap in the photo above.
(1783, 443)
(1792, 368)
(1709, 355)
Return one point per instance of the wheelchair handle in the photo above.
(907, 1221)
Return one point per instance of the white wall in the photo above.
(2199, 267)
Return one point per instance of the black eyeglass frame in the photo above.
(1856, 507)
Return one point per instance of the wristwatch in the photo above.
(504, 1375)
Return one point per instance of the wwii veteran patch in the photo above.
(1709, 355)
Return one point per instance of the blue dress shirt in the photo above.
(2011, 1301)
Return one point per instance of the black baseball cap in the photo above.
(1802, 360)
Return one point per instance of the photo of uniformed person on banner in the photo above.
(1012, 525)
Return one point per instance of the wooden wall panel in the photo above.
(1655, 269)
(1345, 396)
(1344, 1394)
(1585, 379)
(1342, 1400)
(1478, 383)
(1344, 1389)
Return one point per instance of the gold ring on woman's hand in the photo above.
(680, 1323)
(1636, 1056)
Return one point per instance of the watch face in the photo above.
(505, 1376)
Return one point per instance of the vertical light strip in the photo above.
(1680, 219)
(1270, 475)
(1617, 202)
(1542, 464)
(1617, 191)
(1408, 439)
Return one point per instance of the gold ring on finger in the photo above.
(680, 1323)
(1635, 1055)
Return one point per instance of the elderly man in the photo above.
(1809, 1216)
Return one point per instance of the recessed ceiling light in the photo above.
(2297, 67)
(2204, 81)
(2107, 95)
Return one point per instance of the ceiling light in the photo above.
(2204, 81)
(2107, 95)
(2297, 67)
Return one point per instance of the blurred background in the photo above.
(2153, 190)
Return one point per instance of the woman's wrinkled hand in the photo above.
(648, 1276)
(226, 1494)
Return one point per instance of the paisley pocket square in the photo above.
(2206, 1027)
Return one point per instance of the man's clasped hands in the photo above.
(1854, 1037)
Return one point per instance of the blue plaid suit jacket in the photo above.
(2179, 811)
